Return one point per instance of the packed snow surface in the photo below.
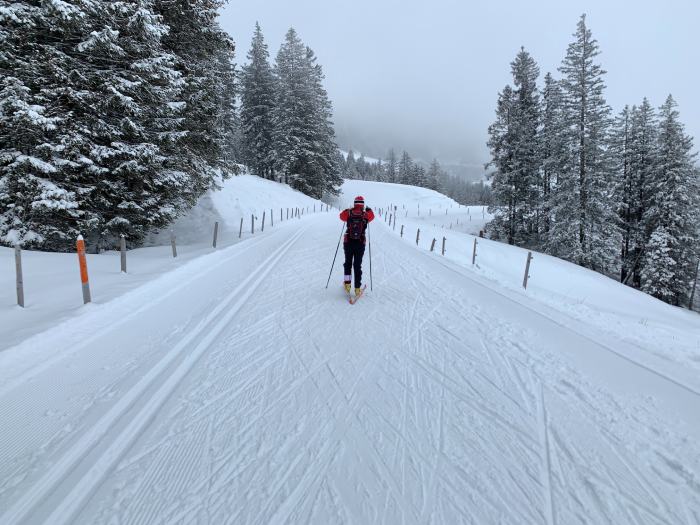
(235, 388)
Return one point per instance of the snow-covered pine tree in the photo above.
(673, 218)
(553, 152)
(200, 47)
(104, 74)
(133, 186)
(257, 108)
(514, 142)
(585, 229)
(504, 179)
(405, 169)
(420, 178)
(379, 171)
(362, 167)
(304, 136)
(434, 175)
(621, 151)
(323, 158)
(350, 171)
(527, 159)
(37, 208)
(643, 160)
(392, 167)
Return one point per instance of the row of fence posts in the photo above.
(82, 260)
(392, 216)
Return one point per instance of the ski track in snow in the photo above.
(435, 399)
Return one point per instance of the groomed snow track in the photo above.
(238, 390)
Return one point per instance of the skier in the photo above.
(357, 219)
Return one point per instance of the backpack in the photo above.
(356, 225)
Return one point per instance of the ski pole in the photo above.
(342, 229)
(369, 238)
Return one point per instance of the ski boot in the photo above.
(358, 291)
(347, 287)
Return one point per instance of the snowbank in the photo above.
(239, 197)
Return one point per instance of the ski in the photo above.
(356, 298)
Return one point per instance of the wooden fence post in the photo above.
(80, 245)
(20, 280)
(216, 233)
(122, 248)
(252, 223)
(402, 231)
(240, 229)
(262, 228)
(172, 243)
(394, 220)
(432, 245)
(417, 236)
(527, 269)
(474, 253)
(287, 213)
(272, 219)
(280, 214)
(443, 246)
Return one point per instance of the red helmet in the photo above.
(359, 200)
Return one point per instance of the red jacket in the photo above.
(362, 216)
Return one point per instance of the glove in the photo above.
(368, 209)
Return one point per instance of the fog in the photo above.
(424, 75)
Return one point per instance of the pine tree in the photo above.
(584, 229)
(504, 179)
(350, 171)
(626, 194)
(527, 157)
(433, 176)
(392, 167)
(553, 151)
(37, 208)
(257, 108)
(405, 169)
(515, 150)
(198, 44)
(102, 72)
(304, 136)
(673, 218)
(643, 160)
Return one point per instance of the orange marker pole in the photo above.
(83, 269)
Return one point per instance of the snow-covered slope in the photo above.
(236, 388)
(239, 197)
(666, 333)
(51, 280)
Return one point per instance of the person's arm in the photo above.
(369, 214)
(344, 215)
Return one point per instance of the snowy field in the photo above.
(232, 387)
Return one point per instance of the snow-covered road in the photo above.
(236, 389)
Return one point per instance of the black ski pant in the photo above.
(354, 250)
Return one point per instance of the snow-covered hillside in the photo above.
(237, 388)
(666, 333)
(51, 280)
(238, 197)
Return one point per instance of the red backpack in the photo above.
(357, 224)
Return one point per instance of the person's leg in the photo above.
(357, 263)
(347, 266)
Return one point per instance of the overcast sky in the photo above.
(424, 75)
